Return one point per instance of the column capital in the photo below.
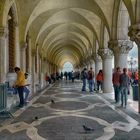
(120, 46)
(134, 33)
(105, 53)
(23, 45)
(3, 32)
(98, 58)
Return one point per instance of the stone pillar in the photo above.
(17, 47)
(107, 56)
(33, 70)
(120, 49)
(93, 65)
(3, 59)
(134, 34)
(23, 55)
(29, 55)
(98, 64)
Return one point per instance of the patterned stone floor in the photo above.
(64, 119)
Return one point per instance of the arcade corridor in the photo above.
(64, 118)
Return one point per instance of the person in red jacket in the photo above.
(116, 84)
(99, 79)
(136, 77)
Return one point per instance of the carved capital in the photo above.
(134, 33)
(3, 32)
(105, 53)
(120, 46)
(98, 58)
(23, 45)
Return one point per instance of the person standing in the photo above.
(124, 86)
(26, 88)
(116, 84)
(19, 84)
(99, 79)
(84, 78)
(90, 79)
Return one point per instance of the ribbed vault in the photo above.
(68, 30)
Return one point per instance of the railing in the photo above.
(3, 101)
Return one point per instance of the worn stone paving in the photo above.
(64, 119)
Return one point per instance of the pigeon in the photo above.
(87, 129)
(52, 101)
(36, 118)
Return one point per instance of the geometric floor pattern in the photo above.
(63, 119)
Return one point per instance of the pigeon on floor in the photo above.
(88, 129)
(35, 118)
(52, 101)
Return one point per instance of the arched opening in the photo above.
(133, 58)
(68, 67)
(11, 41)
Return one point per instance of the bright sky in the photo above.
(67, 67)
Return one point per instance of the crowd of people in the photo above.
(121, 82)
(71, 76)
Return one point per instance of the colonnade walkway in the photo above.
(60, 112)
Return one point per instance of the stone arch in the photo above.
(123, 22)
(6, 7)
(129, 7)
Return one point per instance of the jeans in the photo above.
(84, 84)
(90, 82)
(26, 91)
(99, 84)
(20, 93)
(124, 92)
(117, 93)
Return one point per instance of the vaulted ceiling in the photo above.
(67, 30)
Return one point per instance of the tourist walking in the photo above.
(116, 84)
(90, 80)
(124, 87)
(84, 78)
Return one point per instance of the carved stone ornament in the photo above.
(3, 32)
(134, 33)
(120, 46)
(23, 45)
(105, 53)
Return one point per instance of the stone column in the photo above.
(23, 55)
(17, 46)
(33, 52)
(120, 49)
(107, 56)
(29, 55)
(134, 34)
(3, 59)
(98, 64)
